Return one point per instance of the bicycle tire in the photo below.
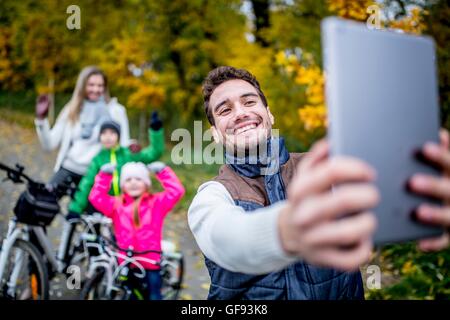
(74, 251)
(176, 287)
(180, 282)
(91, 284)
(41, 268)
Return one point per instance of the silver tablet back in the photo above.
(382, 98)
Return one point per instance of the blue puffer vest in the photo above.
(299, 281)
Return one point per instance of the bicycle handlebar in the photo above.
(95, 218)
(15, 175)
(128, 251)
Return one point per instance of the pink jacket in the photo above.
(152, 210)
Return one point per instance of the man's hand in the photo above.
(42, 106)
(310, 226)
(436, 187)
(108, 168)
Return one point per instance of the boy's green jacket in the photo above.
(119, 156)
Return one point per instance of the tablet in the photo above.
(382, 97)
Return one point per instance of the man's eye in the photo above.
(224, 111)
(250, 103)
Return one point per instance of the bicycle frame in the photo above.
(13, 234)
(17, 230)
(108, 261)
(46, 245)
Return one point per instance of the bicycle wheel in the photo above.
(25, 275)
(77, 253)
(172, 277)
(95, 287)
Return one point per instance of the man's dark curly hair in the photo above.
(222, 74)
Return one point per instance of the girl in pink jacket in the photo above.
(137, 214)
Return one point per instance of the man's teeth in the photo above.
(247, 127)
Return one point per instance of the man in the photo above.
(279, 235)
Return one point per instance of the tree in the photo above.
(436, 25)
(262, 20)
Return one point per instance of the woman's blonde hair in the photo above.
(73, 107)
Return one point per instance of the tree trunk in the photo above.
(261, 12)
(142, 127)
(51, 96)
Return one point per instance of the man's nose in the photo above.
(239, 112)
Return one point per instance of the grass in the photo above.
(192, 176)
(419, 275)
(18, 107)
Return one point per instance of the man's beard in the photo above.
(240, 147)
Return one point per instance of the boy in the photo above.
(112, 152)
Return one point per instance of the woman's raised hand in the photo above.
(42, 106)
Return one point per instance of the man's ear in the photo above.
(271, 118)
(215, 134)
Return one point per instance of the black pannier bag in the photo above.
(37, 206)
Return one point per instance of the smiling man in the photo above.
(275, 234)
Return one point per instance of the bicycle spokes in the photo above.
(23, 276)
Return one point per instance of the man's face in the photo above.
(241, 119)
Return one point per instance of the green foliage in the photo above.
(419, 275)
(439, 28)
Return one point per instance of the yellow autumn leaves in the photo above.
(350, 9)
(7, 62)
(309, 76)
(145, 89)
(413, 23)
(313, 113)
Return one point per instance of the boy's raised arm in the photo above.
(156, 138)
(154, 150)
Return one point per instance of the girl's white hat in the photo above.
(135, 170)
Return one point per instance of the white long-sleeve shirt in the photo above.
(61, 134)
(82, 151)
(236, 240)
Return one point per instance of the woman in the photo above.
(77, 127)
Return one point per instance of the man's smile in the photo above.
(245, 126)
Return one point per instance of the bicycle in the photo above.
(110, 280)
(27, 256)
